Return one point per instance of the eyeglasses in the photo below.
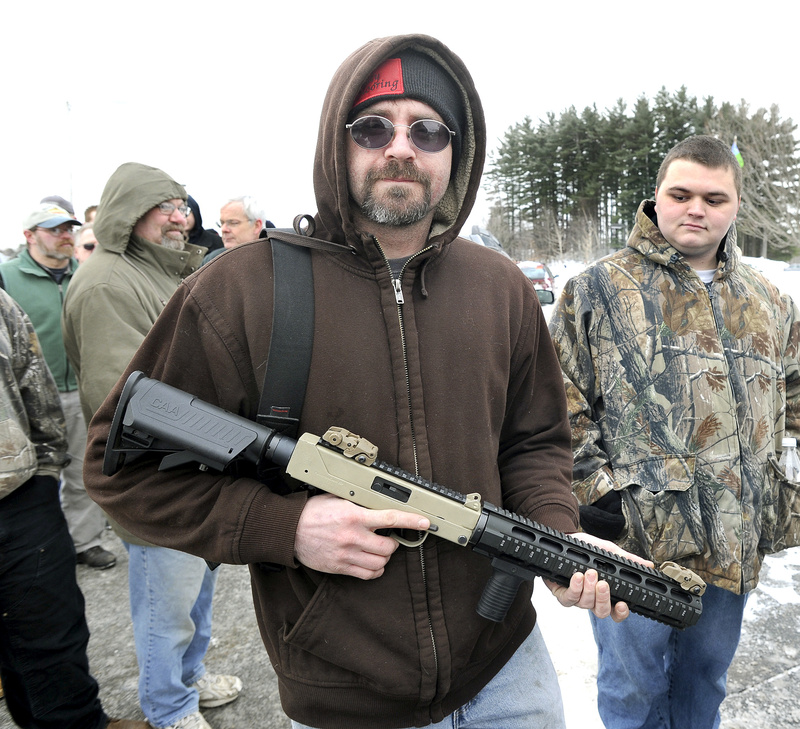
(230, 223)
(87, 246)
(168, 208)
(58, 230)
(377, 132)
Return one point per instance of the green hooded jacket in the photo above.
(118, 293)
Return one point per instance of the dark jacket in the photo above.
(459, 384)
(200, 236)
(679, 394)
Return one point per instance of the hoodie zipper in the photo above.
(397, 286)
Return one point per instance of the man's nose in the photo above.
(400, 147)
(697, 207)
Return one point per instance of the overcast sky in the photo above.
(225, 96)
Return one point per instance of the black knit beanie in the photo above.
(415, 75)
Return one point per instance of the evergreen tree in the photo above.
(573, 182)
(768, 218)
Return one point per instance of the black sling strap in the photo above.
(292, 336)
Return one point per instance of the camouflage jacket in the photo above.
(679, 394)
(33, 437)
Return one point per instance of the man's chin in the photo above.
(175, 244)
(396, 210)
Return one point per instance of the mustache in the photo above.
(393, 168)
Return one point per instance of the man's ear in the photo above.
(29, 238)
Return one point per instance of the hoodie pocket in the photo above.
(347, 637)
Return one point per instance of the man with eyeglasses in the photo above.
(241, 220)
(38, 279)
(430, 346)
(114, 299)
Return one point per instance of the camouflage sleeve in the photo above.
(571, 328)
(32, 390)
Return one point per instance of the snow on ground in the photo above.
(568, 635)
(780, 589)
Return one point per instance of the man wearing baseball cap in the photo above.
(433, 348)
(38, 280)
(61, 202)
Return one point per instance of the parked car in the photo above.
(539, 274)
(485, 238)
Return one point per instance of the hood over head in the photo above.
(131, 191)
(198, 218)
(441, 80)
(197, 230)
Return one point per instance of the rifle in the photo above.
(152, 416)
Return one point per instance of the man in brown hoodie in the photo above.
(433, 348)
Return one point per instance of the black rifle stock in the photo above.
(153, 416)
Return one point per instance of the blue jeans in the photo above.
(170, 595)
(43, 631)
(650, 675)
(523, 695)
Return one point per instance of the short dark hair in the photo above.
(703, 150)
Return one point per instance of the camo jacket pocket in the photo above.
(780, 511)
(661, 507)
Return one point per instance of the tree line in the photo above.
(569, 186)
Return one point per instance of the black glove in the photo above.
(604, 517)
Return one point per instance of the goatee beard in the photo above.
(396, 209)
(172, 243)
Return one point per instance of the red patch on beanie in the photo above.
(386, 80)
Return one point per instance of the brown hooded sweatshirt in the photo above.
(459, 383)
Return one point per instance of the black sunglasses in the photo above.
(88, 246)
(377, 132)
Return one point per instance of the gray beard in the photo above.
(54, 255)
(397, 211)
(175, 245)
(396, 216)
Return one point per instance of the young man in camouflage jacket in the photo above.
(680, 364)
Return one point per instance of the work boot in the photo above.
(97, 558)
